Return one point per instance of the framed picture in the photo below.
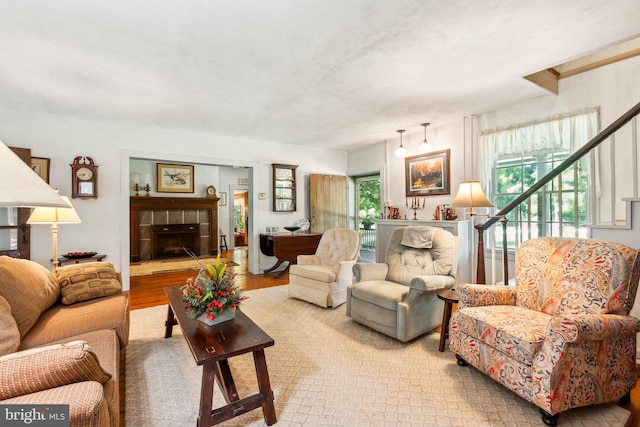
(223, 199)
(40, 165)
(174, 178)
(427, 174)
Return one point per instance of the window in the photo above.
(367, 208)
(516, 158)
(559, 209)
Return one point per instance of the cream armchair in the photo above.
(562, 337)
(322, 279)
(399, 297)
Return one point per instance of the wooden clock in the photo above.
(84, 178)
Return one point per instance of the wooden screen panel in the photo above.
(327, 202)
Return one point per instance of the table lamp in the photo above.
(470, 195)
(55, 216)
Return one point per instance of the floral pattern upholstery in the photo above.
(562, 337)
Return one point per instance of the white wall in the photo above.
(381, 158)
(105, 220)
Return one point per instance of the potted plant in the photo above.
(212, 296)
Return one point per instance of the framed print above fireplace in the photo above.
(174, 178)
(428, 174)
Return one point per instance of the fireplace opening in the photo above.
(167, 241)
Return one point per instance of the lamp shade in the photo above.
(22, 187)
(46, 215)
(470, 195)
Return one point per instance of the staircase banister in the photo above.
(577, 155)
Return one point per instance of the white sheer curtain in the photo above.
(566, 132)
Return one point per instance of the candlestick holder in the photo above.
(137, 188)
(147, 188)
(415, 208)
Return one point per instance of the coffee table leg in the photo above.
(168, 325)
(206, 395)
(225, 382)
(264, 385)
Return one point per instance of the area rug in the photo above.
(327, 370)
(152, 267)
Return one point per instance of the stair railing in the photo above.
(573, 158)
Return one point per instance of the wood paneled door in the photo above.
(327, 202)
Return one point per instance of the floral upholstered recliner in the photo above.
(562, 337)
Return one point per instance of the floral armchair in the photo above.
(562, 337)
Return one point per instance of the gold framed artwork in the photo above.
(40, 165)
(428, 174)
(174, 178)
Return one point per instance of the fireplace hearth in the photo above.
(146, 212)
(168, 241)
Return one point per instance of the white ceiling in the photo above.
(334, 73)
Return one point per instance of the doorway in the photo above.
(240, 217)
(368, 208)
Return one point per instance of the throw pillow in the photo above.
(29, 288)
(419, 237)
(82, 282)
(47, 367)
(9, 332)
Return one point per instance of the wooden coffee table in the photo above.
(211, 347)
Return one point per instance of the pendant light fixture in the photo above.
(425, 146)
(401, 151)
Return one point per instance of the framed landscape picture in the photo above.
(40, 165)
(174, 178)
(428, 174)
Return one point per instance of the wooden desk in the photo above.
(211, 347)
(287, 247)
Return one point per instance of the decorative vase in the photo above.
(230, 314)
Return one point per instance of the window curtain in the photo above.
(565, 132)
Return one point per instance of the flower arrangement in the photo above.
(212, 292)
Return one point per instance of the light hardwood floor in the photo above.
(147, 291)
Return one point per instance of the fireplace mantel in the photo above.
(144, 203)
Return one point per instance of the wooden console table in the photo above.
(287, 247)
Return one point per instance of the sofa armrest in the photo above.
(475, 295)
(432, 283)
(44, 368)
(308, 260)
(370, 271)
(593, 327)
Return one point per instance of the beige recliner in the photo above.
(322, 279)
(399, 297)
